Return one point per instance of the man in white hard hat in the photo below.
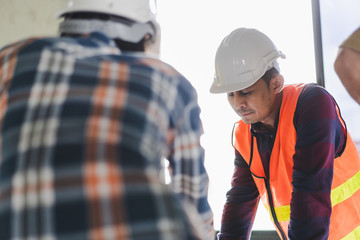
(86, 119)
(292, 148)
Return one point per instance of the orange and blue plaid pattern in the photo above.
(83, 131)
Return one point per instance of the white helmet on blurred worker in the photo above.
(136, 10)
(242, 59)
(128, 20)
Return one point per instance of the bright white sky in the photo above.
(191, 33)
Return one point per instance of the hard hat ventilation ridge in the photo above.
(114, 30)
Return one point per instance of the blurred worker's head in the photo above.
(130, 23)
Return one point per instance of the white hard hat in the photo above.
(142, 12)
(242, 59)
(137, 10)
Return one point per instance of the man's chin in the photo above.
(247, 121)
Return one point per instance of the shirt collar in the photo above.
(102, 39)
(259, 128)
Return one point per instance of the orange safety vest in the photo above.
(276, 192)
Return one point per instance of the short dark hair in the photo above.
(269, 74)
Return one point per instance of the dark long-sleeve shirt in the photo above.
(320, 137)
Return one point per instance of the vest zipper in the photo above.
(272, 209)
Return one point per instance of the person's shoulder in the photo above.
(23, 43)
(314, 90)
(314, 94)
(148, 64)
(37, 44)
(159, 65)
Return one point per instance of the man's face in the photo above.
(255, 103)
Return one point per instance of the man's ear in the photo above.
(277, 83)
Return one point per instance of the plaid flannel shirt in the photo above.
(83, 131)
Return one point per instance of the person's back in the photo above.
(83, 129)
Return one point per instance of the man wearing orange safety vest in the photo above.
(292, 148)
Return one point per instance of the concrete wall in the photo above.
(24, 18)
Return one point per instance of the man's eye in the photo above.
(230, 94)
(245, 93)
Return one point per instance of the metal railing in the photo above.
(262, 235)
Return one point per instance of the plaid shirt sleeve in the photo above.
(189, 177)
(83, 129)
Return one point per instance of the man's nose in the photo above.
(239, 101)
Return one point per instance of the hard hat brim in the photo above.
(216, 88)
